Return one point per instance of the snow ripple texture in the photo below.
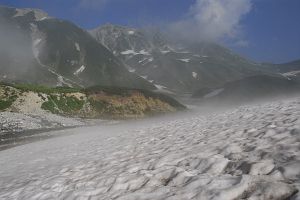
(250, 152)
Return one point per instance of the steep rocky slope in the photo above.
(174, 65)
(36, 48)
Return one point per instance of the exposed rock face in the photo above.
(250, 152)
(39, 49)
(174, 65)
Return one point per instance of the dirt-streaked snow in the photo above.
(250, 152)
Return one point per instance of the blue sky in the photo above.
(266, 30)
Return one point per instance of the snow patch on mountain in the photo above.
(184, 60)
(291, 73)
(144, 52)
(160, 87)
(148, 61)
(165, 51)
(128, 52)
(131, 32)
(80, 70)
(214, 93)
(194, 74)
(132, 52)
(77, 46)
(143, 60)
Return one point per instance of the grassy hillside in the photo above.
(94, 102)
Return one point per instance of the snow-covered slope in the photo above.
(176, 65)
(250, 152)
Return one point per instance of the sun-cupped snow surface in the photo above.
(250, 152)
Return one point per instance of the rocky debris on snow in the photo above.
(18, 122)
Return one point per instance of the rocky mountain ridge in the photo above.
(172, 65)
(44, 50)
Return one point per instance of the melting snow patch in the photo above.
(77, 46)
(195, 75)
(144, 52)
(184, 60)
(160, 87)
(291, 73)
(127, 52)
(143, 60)
(43, 18)
(131, 70)
(165, 52)
(214, 93)
(80, 70)
(148, 61)
(130, 32)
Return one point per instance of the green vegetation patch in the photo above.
(60, 104)
(7, 98)
(4, 104)
(44, 89)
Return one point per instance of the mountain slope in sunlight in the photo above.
(174, 65)
(44, 50)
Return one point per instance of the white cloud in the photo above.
(213, 19)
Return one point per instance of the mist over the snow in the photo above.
(16, 55)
